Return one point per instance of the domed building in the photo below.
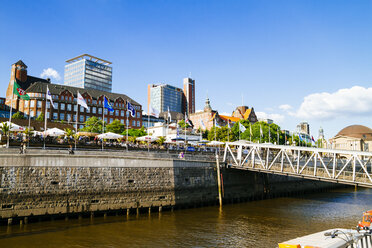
(354, 137)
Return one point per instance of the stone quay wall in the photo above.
(59, 184)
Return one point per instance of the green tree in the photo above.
(40, 117)
(28, 132)
(69, 134)
(135, 132)
(161, 140)
(115, 127)
(5, 128)
(223, 134)
(93, 125)
(182, 124)
(18, 115)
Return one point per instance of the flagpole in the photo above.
(269, 135)
(278, 136)
(29, 120)
(45, 115)
(148, 125)
(77, 116)
(103, 119)
(10, 117)
(127, 126)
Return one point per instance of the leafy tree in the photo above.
(93, 125)
(18, 115)
(40, 117)
(5, 128)
(161, 140)
(182, 124)
(135, 132)
(28, 132)
(221, 134)
(115, 127)
(69, 134)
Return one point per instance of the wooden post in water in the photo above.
(219, 180)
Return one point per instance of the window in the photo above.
(127, 122)
(106, 119)
(122, 113)
(138, 124)
(26, 104)
(62, 107)
(117, 112)
(105, 111)
(138, 115)
(94, 101)
(48, 115)
(81, 118)
(133, 123)
(55, 116)
(88, 109)
(32, 103)
(81, 109)
(111, 120)
(62, 116)
(48, 105)
(74, 118)
(68, 117)
(99, 110)
(122, 121)
(38, 113)
(94, 110)
(55, 105)
(32, 113)
(68, 107)
(75, 108)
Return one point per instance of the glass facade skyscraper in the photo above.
(163, 96)
(89, 72)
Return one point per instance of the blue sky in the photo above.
(291, 60)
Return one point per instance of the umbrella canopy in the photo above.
(88, 134)
(147, 138)
(204, 141)
(110, 135)
(240, 142)
(13, 127)
(215, 143)
(54, 132)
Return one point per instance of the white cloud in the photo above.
(285, 107)
(277, 118)
(50, 73)
(344, 102)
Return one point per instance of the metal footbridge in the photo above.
(337, 166)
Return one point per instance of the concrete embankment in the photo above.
(52, 183)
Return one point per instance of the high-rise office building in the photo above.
(164, 96)
(89, 72)
(189, 95)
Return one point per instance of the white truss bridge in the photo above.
(337, 166)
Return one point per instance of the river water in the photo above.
(252, 224)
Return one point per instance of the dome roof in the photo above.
(357, 131)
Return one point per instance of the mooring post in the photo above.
(219, 180)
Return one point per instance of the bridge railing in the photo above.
(349, 167)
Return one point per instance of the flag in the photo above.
(81, 101)
(154, 112)
(187, 121)
(131, 109)
(17, 90)
(261, 133)
(202, 124)
(312, 139)
(169, 116)
(241, 128)
(299, 136)
(49, 96)
(107, 104)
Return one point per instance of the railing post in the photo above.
(267, 158)
(282, 162)
(354, 168)
(315, 160)
(298, 161)
(253, 155)
(334, 166)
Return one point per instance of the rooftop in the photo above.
(89, 57)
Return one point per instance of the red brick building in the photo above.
(64, 98)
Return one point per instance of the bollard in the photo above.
(160, 208)
(10, 220)
(21, 222)
(137, 210)
(105, 215)
(26, 220)
(219, 180)
(128, 211)
(149, 210)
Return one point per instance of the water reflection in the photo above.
(254, 224)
